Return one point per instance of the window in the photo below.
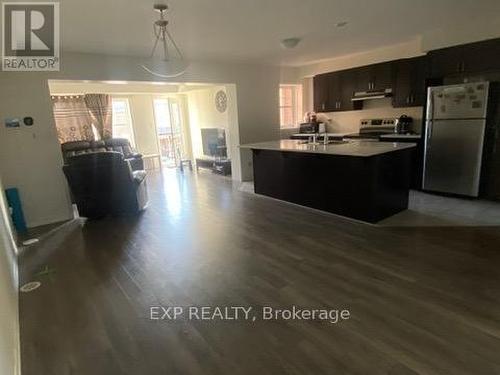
(162, 116)
(169, 130)
(290, 106)
(122, 121)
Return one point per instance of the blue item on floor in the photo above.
(14, 202)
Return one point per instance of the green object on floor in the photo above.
(46, 271)
(14, 202)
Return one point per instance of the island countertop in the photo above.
(350, 148)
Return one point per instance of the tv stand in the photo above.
(216, 165)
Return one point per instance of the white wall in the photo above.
(9, 320)
(204, 114)
(30, 157)
(466, 32)
(398, 51)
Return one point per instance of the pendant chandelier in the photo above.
(170, 62)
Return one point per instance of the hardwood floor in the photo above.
(422, 300)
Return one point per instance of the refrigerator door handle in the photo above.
(430, 103)
(429, 133)
(495, 140)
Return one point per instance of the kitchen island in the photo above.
(367, 181)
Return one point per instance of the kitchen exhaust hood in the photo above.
(371, 94)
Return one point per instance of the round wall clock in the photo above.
(221, 101)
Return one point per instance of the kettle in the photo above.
(403, 125)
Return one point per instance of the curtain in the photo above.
(100, 108)
(72, 118)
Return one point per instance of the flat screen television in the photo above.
(214, 142)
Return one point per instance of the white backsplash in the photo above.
(347, 122)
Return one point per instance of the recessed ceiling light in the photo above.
(290, 42)
(341, 24)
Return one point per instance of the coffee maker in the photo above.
(403, 125)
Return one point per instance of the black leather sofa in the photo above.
(103, 183)
(122, 145)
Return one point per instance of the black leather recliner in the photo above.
(122, 145)
(103, 183)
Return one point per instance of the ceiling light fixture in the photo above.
(171, 63)
(289, 43)
(341, 24)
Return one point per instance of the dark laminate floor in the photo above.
(422, 300)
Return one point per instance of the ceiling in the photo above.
(251, 30)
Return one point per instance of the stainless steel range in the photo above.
(372, 129)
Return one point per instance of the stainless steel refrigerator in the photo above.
(455, 126)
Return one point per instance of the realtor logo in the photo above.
(30, 36)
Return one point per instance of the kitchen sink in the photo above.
(319, 143)
(337, 142)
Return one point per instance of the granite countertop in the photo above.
(405, 136)
(350, 148)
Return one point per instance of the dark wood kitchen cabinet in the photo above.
(445, 62)
(347, 88)
(343, 87)
(333, 92)
(373, 77)
(466, 60)
(490, 172)
(321, 89)
(409, 77)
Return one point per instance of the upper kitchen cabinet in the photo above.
(467, 59)
(347, 88)
(409, 82)
(481, 57)
(445, 62)
(321, 92)
(373, 77)
(333, 92)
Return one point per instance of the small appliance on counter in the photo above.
(403, 125)
(309, 128)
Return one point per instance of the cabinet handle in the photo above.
(463, 66)
(408, 99)
(323, 106)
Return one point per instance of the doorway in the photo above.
(168, 120)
